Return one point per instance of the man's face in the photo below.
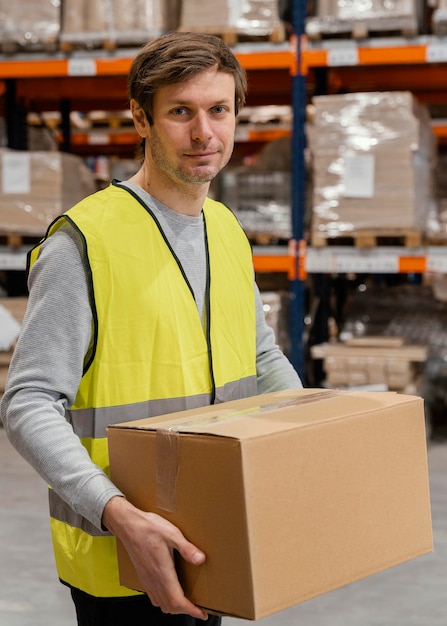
(192, 135)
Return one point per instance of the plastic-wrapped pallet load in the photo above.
(12, 311)
(372, 360)
(372, 164)
(109, 23)
(259, 192)
(29, 24)
(226, 17)
(276, 309)
(261, 201)
(361, 17)
(439, 18)
(36, 187)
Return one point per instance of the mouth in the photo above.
(200, 157)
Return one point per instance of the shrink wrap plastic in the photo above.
(31, 24)
(338, 16)
(373, 156)
(365, 9)
(439, 18)
(117, 22)
(252, 17)
(38, 186)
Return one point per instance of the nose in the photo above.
(201, 127)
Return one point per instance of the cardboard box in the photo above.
(290, 494)
(36, 187)
(371, 360)
(372, 156)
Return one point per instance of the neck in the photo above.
(187, 198)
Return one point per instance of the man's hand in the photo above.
(150, 541)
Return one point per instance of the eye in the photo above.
(219, 109)
(179, 111)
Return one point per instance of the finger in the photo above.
(175, 602)
(190, 552)
(177, 541)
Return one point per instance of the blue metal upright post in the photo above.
(298, 172)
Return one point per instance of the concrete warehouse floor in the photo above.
(411, 594)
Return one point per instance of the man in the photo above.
(142, 302)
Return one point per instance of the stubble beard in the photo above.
(175, 170)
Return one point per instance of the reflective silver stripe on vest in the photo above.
(93, 422)
(61, 511)
(237, 390)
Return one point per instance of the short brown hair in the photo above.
(176, 57)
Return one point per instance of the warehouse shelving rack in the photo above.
(92, 80)
(279, 74)
(416, 64)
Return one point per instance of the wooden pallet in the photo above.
(371, 238)
(404, 26)
(266, 239)
(70, 42)
(14, 240)
(11, 47)
(88, 43)
(232, 36)
(435, 240)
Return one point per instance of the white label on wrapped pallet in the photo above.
(358, 176)
(10, 259)
(242, 134)
(377, 261)
(16, 172)
(339, 259)
(82, 67)
(436, 52)
(320, 260)
(437, 260)
(343, 55)
(98, 139)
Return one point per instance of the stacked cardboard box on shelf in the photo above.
(261, 201)
(29, 25)
(372, 163)
(36, 187)
(365, 361)
(276, 310)
(253, 17)
(439, 18)
(116, 22)
(14, 307)
(335, 17)
(259, 190)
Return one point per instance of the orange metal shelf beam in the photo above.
(386, 55)
(271, 59)
(283, 58)
(440, 130)
(410, 265)
(33, 68)
(94, 138)
(286, 263)
(273, 263)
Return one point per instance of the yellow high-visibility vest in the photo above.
(150, 352)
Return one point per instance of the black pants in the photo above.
(132, 611)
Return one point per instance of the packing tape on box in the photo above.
(168, 440)
(167, 453)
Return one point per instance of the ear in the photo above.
(139, 119)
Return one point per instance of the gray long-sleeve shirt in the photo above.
(46, 367)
